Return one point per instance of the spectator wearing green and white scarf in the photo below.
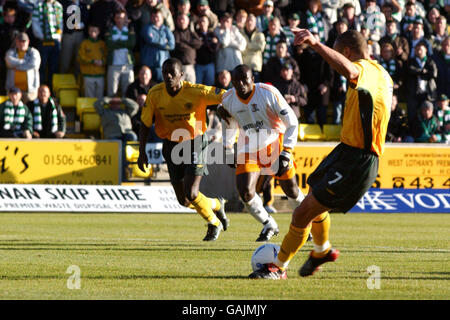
(316, 21)
(16, 120)
(47, 23)
(393, 66)
(374, 20)
(411, 15)
(443, 116)
(120, 41)
(273, 35)
(262, 21)
(49, 120)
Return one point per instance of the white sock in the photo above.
(256, 208)
(296, 202)
(270, 223)
(322, 248)
(213, 204)
(214, 221)
(281, 265)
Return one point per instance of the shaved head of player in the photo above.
(172, 75)
(243, 80)
(352, 45)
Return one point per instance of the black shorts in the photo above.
(186, 158)
(343, 177)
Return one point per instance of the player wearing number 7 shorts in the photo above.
(268, 130)
(343, 177)
(178, 110)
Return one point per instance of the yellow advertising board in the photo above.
(59, 161)
(409, 166)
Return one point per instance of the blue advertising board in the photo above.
(404, 201)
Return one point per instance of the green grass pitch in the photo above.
(161, 256)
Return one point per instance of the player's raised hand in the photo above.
(224, 114)
(303, 36)
(142, 161)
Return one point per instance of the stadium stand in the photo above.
(131, 156)
(89, 118)
(68, 97)
(84, 122)
(310, 132)
(64, 81)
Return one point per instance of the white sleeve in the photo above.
(229, 132)
(288, 117)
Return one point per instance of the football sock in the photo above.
(202, 205)
(320, 229)
(215, 204)
(292, 242)
(256, 208)
(296, 202)
(270, 223)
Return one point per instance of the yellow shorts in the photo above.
(254, 162)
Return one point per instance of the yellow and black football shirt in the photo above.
(185, 113)
(367, 108)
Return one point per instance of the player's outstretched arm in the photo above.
(143, 136)
(289, 119)
(224, 114)
(230, 128)
(335, 59)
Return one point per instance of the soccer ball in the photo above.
(267, 253)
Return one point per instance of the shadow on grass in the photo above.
(99, 248)
(322, 276)
(158, 247)
(124, 277)
(397, 251)
(389, 278)
(360, 274)
(11, 245)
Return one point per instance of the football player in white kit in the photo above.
(268, 130)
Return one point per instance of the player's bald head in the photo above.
(352, 40)
(172, 63)
(241, 71)
(243, 81)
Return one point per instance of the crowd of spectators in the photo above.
(117, 48)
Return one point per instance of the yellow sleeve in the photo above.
(148, 111)
(213, 95)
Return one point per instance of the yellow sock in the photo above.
(292, 242)
(202, 205)
(320, 230)
(215, 204)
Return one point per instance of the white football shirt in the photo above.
(259, 120)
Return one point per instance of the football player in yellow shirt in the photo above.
(343, 177)
(178, 110)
